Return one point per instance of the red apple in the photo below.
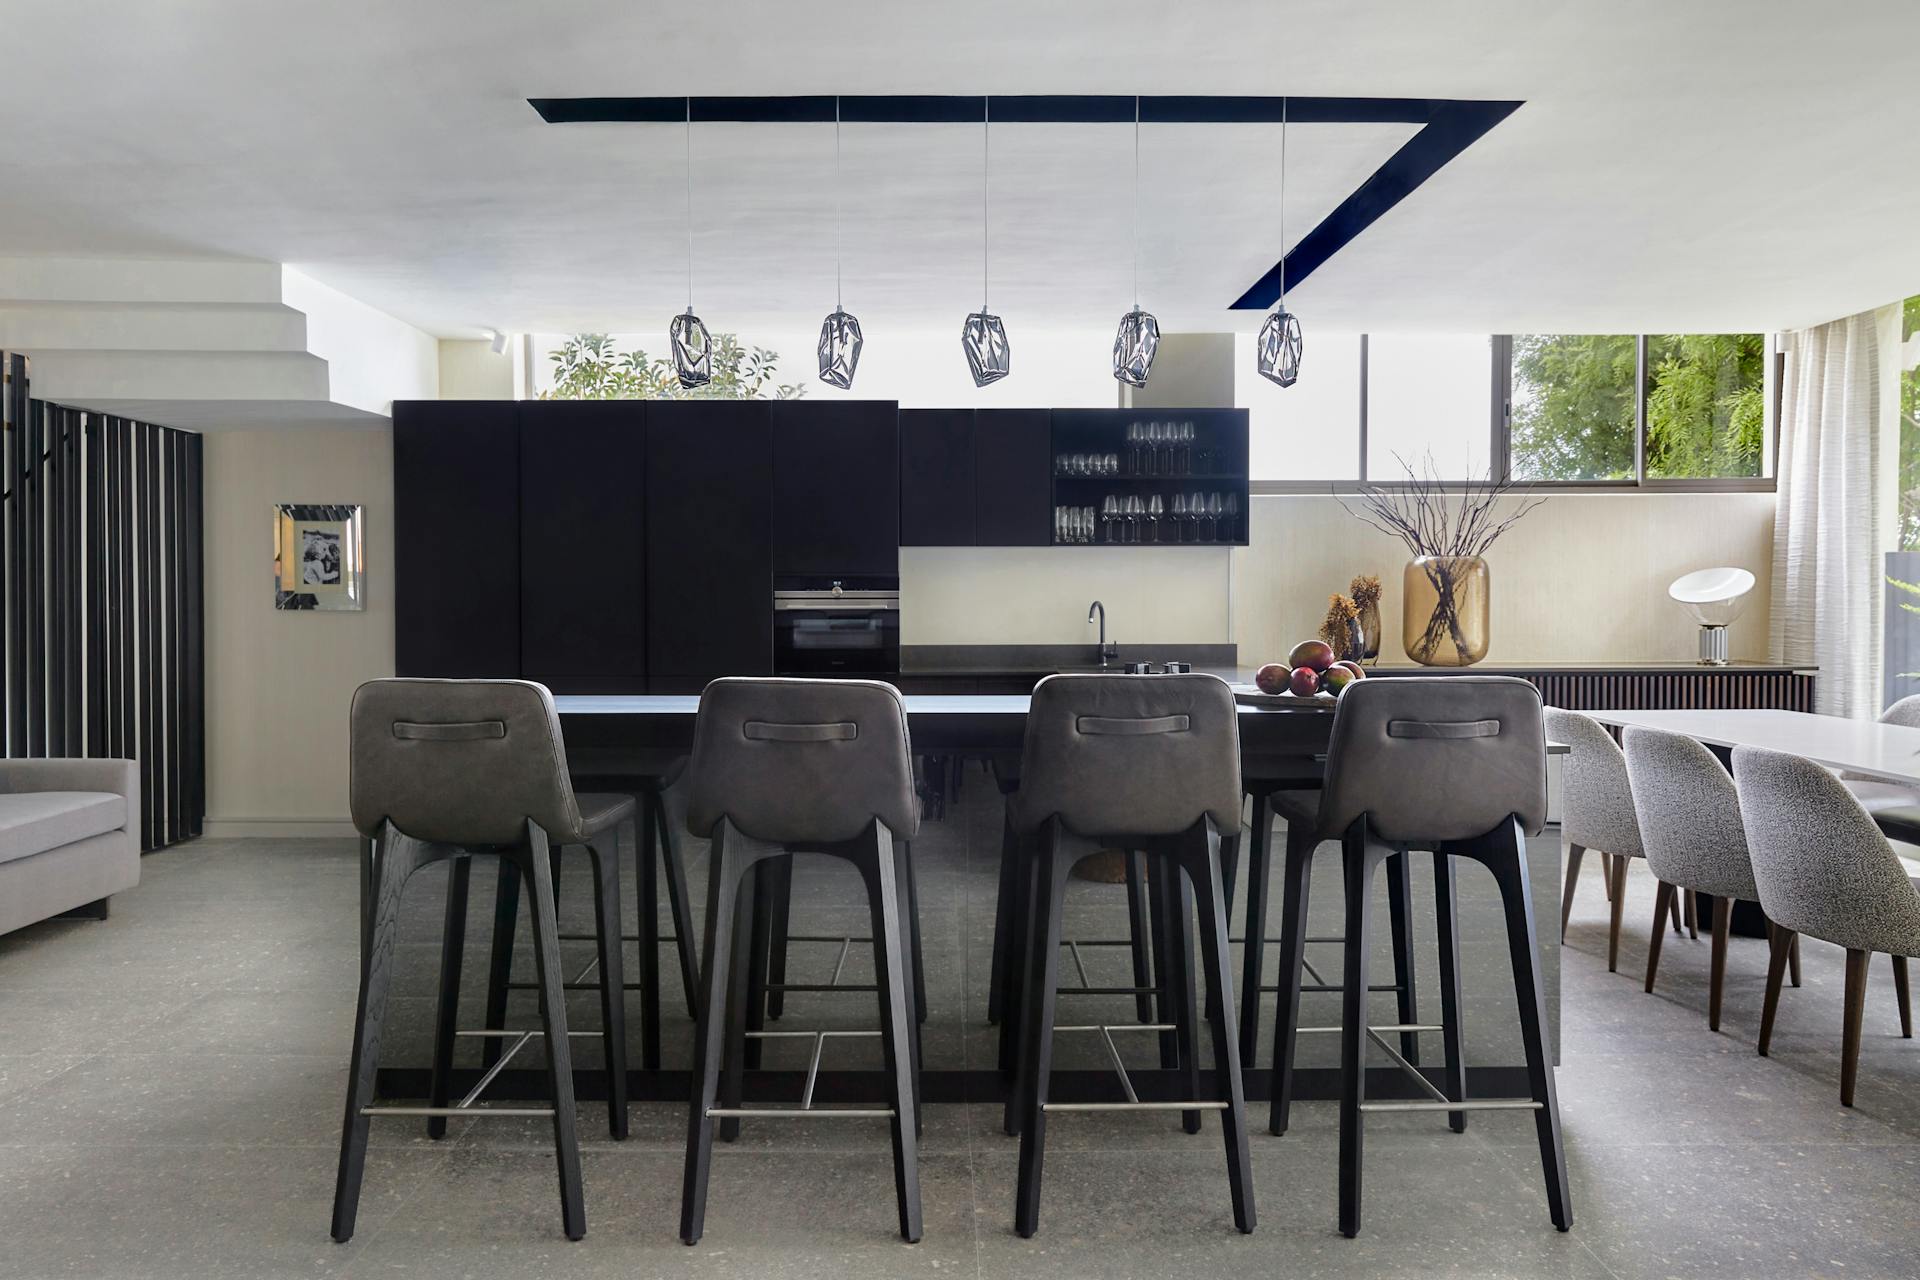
(1272, 678)
(1311, 653)
(1305, 682)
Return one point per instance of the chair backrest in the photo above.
(1905, 712)
(1689, 814)
(466, 762)
(1820, 862)
(1596, 800)
(1431, 758)
(801, 761)
(1130, 755)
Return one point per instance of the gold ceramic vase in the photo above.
(1446, 610)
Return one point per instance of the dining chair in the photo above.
(446, 771)
(1876, 794)
(1693, 839)
(1824, 869)
(1147, 763)
(784, 766)
(1596, 812)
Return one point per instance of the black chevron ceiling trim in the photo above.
(1448, 127)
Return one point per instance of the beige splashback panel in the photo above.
(1039, 595)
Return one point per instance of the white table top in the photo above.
(1884, 751)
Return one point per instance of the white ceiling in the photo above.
(1714, 164)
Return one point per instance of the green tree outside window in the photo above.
(591, 366)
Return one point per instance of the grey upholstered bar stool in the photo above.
(1824, 869)
(1596, 812)
(1456, 765)
(450, 769)
(798, 766)
(1134, 762)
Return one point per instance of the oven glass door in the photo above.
(853, 641)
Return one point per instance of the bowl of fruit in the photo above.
(1310, 675)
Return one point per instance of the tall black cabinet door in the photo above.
(709, 542)
(1013, 477)
(456, 538)
(583, 606)
(936, 477)
(836, 487)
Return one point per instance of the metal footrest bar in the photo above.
(1106, 1031)
(806, 1107)
(800, 1113)
(1388, 1026)
(1475, 1104)
(1412, 1071)
(466, 1107)
(625, 937)
(456, 1111)
(1134, 1106)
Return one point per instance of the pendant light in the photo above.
(1277, 353)
(840, 339)
(692, 347)
(1138, 338)
(983, 337)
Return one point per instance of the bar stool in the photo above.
(1136, 762)
(785, 766)
(449, 770)
(1456, 765)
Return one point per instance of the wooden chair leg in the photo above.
(1673, 909)
(1855, 1007)
(1052, 862)
(1446, 912)
(1400, 924)
(1793, 961)
(1575, 853)
(453, 946)
(1692, 914)
(1717, 973)
(1606, 875)
(606, 859)
(723, 881)
(1901, 994)
(1295, 879)
(1360, 857)
(1510, 870)
(1139, 934)
(1662, 900)
(1253, 953)
(506, 917)
(1780, 945)
(885, 895)
(1619, 896)
(550, 976)
(1217, 962)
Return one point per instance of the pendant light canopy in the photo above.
(983, 337)
(692, 346)
(1277, 353)
(1138, 338)
(840, 339)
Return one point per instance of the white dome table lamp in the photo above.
(1713, 598)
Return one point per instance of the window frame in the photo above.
(1500, 427)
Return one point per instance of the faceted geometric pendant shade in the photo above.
(1277, 354)
(1134, 347)
(692, 350)
(984, 339)
(840, 343)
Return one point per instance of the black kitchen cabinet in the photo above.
(836, 488)
(1012, 478)
(709, 542)
(456, 538)
(936, 478)
(583, 602)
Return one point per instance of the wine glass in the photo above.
(1233, 517)
(1213, 516)
(1109, 512)
(1179, 517)
(1186, 448)
(1154, 511)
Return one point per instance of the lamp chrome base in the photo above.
(1713, 646)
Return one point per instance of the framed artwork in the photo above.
(318, 561)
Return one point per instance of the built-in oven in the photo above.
(846, 626)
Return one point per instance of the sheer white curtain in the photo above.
(1827, 523)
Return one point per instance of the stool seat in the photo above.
(1298, 806)
(657, 767)
(602, 811)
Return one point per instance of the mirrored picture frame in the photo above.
(319, 561)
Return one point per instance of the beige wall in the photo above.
(469, 370)
(1039, 595)
(279, 684)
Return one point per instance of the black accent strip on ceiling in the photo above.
(1448, 127)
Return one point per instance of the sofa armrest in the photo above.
(119, 776)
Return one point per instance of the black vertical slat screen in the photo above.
(101, 602)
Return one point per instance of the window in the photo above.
(1909, 426)
(1310, 430)
(1706, 405)
(1429, 401)
(1574, 407)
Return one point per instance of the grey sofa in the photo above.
(68, 836)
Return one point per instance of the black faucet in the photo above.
(1108, 652)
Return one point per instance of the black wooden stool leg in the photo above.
(1180, 902)
(1253, 957)
(1139, 934)
(686, 936)
(1049, 905)
(647, 876)
(897, 1026)
(1360, 857)
(1031, 920)
(506, 916)
(1160, 943)
(912, 881)
(780, 916)
(723, 883)
(908, 910)
(613, 973)
(1446, 914)
(739, 994)
(1217, 961)
(1400, 920)
(1004, 925)
(553, 1021)
(446, 1020)
(1509, 864)
(757, 958)
(1295, 880)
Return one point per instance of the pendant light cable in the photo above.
(838, 238)
(986, 191)
(1283, 204)
(689, 206)
(1136, 202)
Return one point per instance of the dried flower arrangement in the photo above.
(1341, 628)
(1365, 591)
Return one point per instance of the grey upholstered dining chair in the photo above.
(447, 770)
(1824, 869)
(1456, 765)
(1147, 763)
(784, 766)
(1693, 839)
(1873, 793)
(1596, 812)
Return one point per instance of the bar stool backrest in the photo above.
(1130, 755)
(1821, 864)
(1430, 758)
(799, 762)
(1690, 815)
(1596, 799)
(465, 762)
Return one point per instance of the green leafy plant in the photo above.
(591, 366)
(1906, 606)
(1909, 479)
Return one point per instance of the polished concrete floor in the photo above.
(170, 1085)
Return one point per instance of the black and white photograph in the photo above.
(317, 558)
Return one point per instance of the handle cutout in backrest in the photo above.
(1443, 728)
(451, 731)
(768, 731)
(1131, 727)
